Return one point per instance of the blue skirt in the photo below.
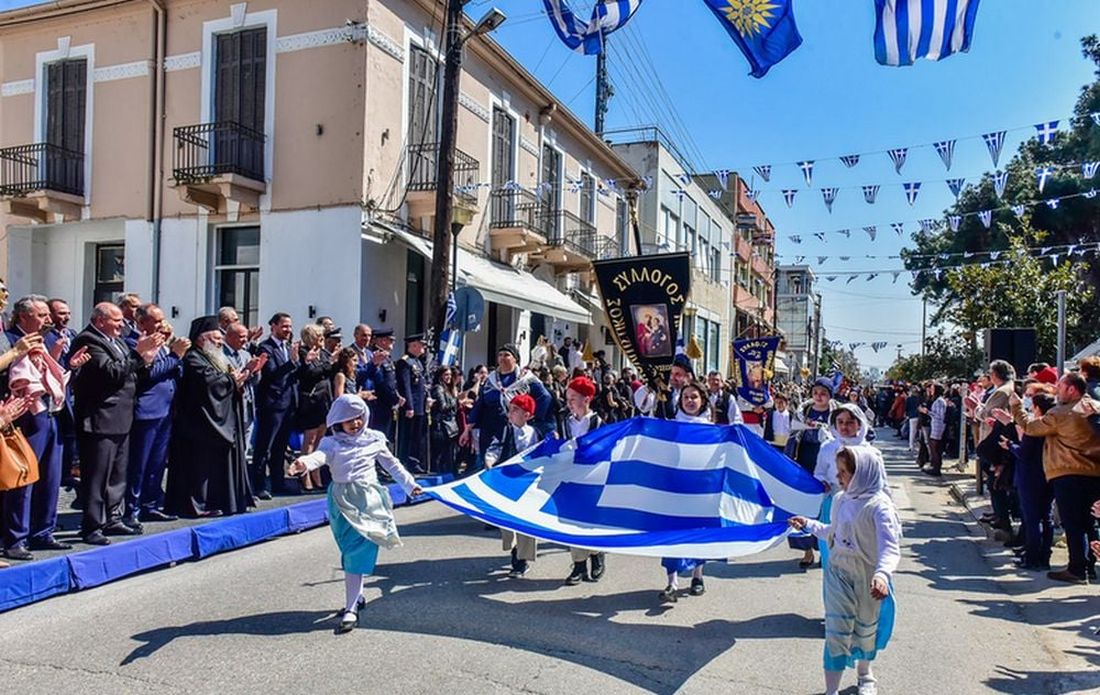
(357, 554)
(680, 565)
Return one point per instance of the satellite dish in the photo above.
(470, 309)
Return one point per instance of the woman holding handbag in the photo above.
(18, 467)
(444, 421)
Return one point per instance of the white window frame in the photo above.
(212, 266)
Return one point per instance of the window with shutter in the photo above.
(423, 97)
(504, 171)
(551, 190)
(66, 95)
(240, 86)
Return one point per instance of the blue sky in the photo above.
(829, 98)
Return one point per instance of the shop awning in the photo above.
(497, 282)
(1093, 349)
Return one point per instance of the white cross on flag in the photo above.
(911, 191)
(807, 168)
(1046, 132)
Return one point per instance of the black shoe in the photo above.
(1016, 541)
(578, 575)
(263, 495)
(49, 543)
(697, 587)
(349, 620)
(599, 566)
(133, 523)
(120, 529)
(18, 552)
(932, 472)
(668, 595)
(518, 569)
(156, 515)
(96, 538)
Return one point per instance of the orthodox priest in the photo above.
(207, 473)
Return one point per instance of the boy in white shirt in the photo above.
(581, 420)
(518, 435)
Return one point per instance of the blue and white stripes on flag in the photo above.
(995, 142)
(789, 194)
(911, 191)
(898, 227)
(954, 221)
(956, 186)
(986, 217)
(1018, 210)
(870, 193)
(906, 30)
(764, 171)
(872, 231)
(850, 160)
(898, 157)
(1000, 180)
(723, 178)
(807, 168)
(946, 151)
(646, 487)
(1043, 174)
(452, 308)
(587, 37)
(1046, 132)
(829, 196)
(1088, 169)
(450, 345)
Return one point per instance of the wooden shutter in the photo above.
(423, 114)
(503, 147)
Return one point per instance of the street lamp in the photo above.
(444, 188)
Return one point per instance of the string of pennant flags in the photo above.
(954, 222)
(966, 255)
(876, 346)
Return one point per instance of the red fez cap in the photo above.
(525, 403)
(1047, 375)
(584, 386)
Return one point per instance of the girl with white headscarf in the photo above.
(864, 550)
(360, 510)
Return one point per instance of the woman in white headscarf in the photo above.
(360, 510)
(864, 546)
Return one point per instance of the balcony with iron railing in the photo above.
(518, 222)
(218, 162)
(41, 179)
(573, 236)
(423, 168)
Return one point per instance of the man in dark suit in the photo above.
(276, 401)
(383, 376)
(413, 389)
(60, 315)
(129, 304)
(152, 427)
(103, 391)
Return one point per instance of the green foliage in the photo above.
(945, 357)
(834, 352)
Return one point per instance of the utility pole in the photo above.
(923, 324)
(604, 91)
(1061, 294)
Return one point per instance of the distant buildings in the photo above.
(798, 307)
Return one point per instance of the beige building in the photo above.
(280, 155)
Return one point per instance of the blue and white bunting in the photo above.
(723, 178)
(931, 29)
(850, 160)
(648, 487)
(789, 194)
(898, 157)
(807, 168)
(911, 191)
(795, 239)
(829, 196)
(847, 235)
(1089, 169)
(685, 179)
(956, 186)
(1042, 174)
(954, 221)
(764, 171)
(753, 194)
(1000, 180)
(1090, 194)
(946, 150)
(679, 193)
(1095, 117)
(798, 260)
(872, 231)
(1046, 132)
(986, 217)
(1018, 210)
(898, 227)
(995, 142)
(1052, 203)
(820, 236)
(821, 259)
(896, 274)
(715, 193)
(870, 193)
(850, 279)
(926, 225)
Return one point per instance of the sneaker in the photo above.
(697, 587)
(518, 569)
(668, 595)
(867, 686)
(578, 575)
(599, 565)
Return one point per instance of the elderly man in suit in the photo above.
(236, 351)
(103, 391)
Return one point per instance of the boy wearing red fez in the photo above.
(518, 435)
(581, 420)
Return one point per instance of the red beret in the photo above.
(1047, 375)
(525, 403)
(584, 386)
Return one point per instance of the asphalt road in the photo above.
(443, 617)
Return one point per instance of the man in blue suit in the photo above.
(382, 373)
(60, 315)
(152, 427)
(129, 304)
(276, 401)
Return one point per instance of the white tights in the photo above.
(832, 678)
(696, 573)
(353, 590)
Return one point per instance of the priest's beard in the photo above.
(216, 356)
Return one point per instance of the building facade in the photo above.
(280, 156)
(798, 308)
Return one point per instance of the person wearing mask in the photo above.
(103, 404)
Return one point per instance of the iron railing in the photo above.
(207, 150)
(511, 208)
(572, 233)
(607, 248)
(40, 167)
(424, 171)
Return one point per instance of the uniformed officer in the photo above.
(413, 388)
(382, 375)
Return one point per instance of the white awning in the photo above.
(780, 363)
(1091, 350)
(497, 282)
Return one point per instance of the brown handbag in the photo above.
(18, 464)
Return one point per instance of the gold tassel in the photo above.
(693, 351)
(587, 355)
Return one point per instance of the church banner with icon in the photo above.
(644, 297)
(755, 368)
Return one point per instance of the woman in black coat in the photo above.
(444, 421)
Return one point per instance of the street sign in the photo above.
(470, 309)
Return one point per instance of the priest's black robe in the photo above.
(207, 472)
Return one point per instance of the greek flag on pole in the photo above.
(645, 487)
(450, 344)
(587, 37)
(906, 30)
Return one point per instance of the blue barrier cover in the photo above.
(239, 531)
(101, 565)
(34, 581)
(306, 515)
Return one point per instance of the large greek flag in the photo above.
(932, 29)
(645, 487)
(587, 37)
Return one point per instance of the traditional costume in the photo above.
(574, 428)
(675, 566)
(513, 441)
(360, 510)
(863, 541)
(825, 469)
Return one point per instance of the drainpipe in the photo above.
(156, 140)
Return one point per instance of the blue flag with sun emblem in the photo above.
(764, 30)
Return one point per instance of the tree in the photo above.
(945, 357)
(833, 352)
(983, 299)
